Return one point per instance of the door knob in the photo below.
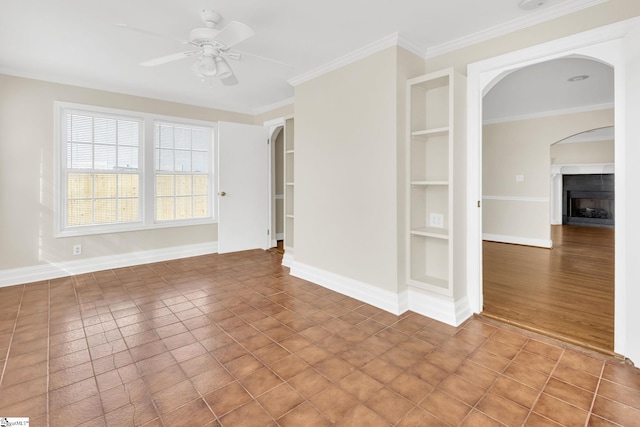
(222, 193)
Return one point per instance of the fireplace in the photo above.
(588, 200)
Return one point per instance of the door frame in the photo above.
(604, 44)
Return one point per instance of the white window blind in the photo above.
(182, 173)
(102, 174)
(123, 171)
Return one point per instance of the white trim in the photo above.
(438, 307)
(517, 240)
(529, 20)
(279, 236)
(287, 258)
(517, 199)
(582, 169)
(365, 51)
(381, 298)
(605, 44)
(275, 105)
(434, 306)
(551, 113)
(17, 276)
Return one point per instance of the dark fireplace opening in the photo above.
(588, 200)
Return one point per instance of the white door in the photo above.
(243, 187)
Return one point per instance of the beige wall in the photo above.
(346, 171)
(523, 147)
(582, 153)
(26, 175)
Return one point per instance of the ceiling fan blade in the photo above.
(231, 55)
(232, 80)
(264, 58)
(234, 33)
(168, 58)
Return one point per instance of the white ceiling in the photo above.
(79, 42)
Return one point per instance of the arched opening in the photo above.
(539, 273)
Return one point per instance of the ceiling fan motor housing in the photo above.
(203, 35)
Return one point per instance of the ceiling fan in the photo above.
(213, 47)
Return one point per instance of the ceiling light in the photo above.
(578, 78)
(530, 4)
(207, 67)
(224, 70)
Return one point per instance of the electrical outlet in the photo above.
(436, 220)
(519, 178)
(77, 249)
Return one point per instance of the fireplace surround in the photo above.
(588, 199)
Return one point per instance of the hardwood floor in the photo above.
(566, 292)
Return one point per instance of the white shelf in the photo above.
(438, 233)
(425, 133)
(430, 151)
(427, 183)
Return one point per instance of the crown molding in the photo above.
(529, 20)
(271, 107)
(550, 113)
(377, 46)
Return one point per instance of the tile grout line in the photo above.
(545, 386)
(595, 393)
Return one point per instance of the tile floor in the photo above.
(233, 340)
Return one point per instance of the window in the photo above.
(104, 185)
(182, 171)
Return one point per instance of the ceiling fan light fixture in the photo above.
(207, 67)
(224, 70)
(530, 4)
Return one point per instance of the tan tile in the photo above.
(569, 393)
(309, 382)
(381, 370)
(334, 368)
(410, 387)
(502, 409)
(227, 398)
(478, 419)
(576, 378)
(211, 380)
(288, 366)
(80, 412)
(535, 361)
(138, 413)
(195, 413)
(249, 411)
(418, 417)
(334, 402)
(172, 398)
(462, 389)
(519, 393)
(559, 411)
(280, 400)
(614, 411)
(360, 385)
(260, 381)
(361, 415)
(304, 415)
(243, 366)
(72, 393)
(622, 374)
(389, 405)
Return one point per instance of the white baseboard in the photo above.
(287, 258)
(419, 301)
(383, 299)
(50, 271)
(516, 240)
(438, 307)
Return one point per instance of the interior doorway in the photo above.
(531, 273)
(278, 186)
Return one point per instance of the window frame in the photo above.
(146, 166)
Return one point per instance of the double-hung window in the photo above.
(124, 171)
